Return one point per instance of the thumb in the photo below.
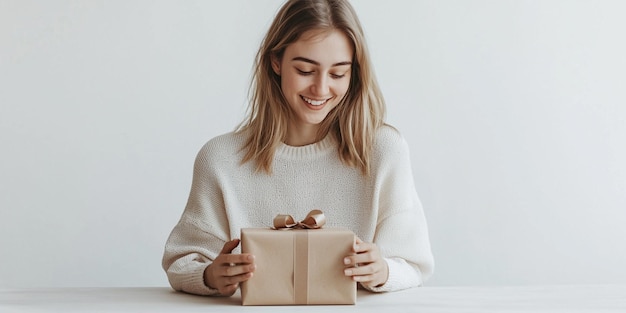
(229, 246)
(357, 242)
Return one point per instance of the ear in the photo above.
(275, 64)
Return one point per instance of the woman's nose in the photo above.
(320, 86)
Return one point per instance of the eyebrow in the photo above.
(318, 63)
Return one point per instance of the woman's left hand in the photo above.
(366, 266)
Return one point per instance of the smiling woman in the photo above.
(315, 76)
(314, 138)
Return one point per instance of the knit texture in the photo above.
(227, 195)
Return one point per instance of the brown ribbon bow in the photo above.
(314, 220)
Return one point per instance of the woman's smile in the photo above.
(316, 104)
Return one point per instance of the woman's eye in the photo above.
(337, 75)
(304, 73)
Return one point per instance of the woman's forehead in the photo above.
(322, 46)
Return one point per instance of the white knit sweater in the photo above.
(226, 196)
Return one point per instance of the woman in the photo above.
(314, 138)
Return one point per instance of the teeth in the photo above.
(314, 102)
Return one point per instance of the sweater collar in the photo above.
(319, 148)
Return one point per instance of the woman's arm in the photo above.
(401, 231)
(201, 238)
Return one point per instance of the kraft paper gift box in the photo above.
(298, 266)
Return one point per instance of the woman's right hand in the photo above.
(228, 270)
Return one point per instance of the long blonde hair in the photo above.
(353, 122)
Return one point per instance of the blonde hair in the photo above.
(353, 122)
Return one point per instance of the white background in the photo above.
(514, 112)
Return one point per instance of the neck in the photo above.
(301, 135)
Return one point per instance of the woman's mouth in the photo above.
(314, 102)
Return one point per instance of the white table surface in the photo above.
(600, 298)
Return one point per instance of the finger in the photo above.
(228, 271)
(357, 242)
(364, 279)
(228, 290)
(364, 247)
(360, 271)
(229, 246)
(353, 260)
(360, 259)
(231, 280)
(363, 274)
(365, 258)
(235, 259)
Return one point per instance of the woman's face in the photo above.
(315, 75)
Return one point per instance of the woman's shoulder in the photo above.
(222, 147)
(389, 149)
(389, 139)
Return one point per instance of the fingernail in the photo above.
(356, 247)
(348, 272)
(346, 261)
(251, 258)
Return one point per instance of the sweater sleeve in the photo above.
(200, 234)
(401, 231)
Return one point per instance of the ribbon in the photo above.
(314, 220)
